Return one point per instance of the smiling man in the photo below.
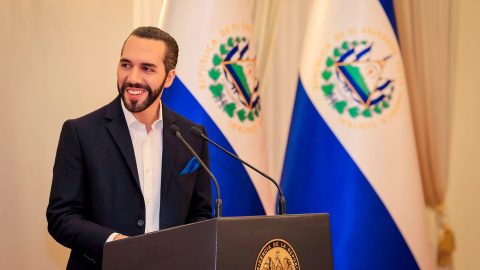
(119, 171)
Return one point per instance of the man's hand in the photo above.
(119, 237)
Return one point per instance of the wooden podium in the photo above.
(259, 242)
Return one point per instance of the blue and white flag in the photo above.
(217, 86)
(351, 149)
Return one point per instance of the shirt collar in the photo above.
(131, 119)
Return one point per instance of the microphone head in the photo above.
(196, 131)
(174, 129)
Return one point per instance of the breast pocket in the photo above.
(184, 186)
(186, 178)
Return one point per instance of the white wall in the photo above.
(58, 61)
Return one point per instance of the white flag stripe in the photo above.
(211, 24)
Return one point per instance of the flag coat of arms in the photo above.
(351, 149)
(217, 86)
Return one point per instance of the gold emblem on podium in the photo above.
(277, 254)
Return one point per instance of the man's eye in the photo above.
(125, 65)
(147, 69)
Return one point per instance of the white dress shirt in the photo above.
(148, 150)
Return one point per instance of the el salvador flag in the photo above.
(351, 149)
(216, 85)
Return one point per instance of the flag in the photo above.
(217, 86)
(351, 149)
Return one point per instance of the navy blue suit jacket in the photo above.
(95, 188)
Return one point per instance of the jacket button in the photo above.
(140, 223)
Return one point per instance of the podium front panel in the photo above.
(241, 240)
(257, 243)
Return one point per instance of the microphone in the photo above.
(218, 201)
(281, 200)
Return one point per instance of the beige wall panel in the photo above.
(58, 61)
(463, 196)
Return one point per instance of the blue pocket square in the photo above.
(191, 166)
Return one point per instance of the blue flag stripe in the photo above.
(364, 235)
(239, 195)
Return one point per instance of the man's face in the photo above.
(141, 73)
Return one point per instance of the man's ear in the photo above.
(170, 77)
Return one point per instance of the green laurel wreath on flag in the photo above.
(217, 88)
(342, 105)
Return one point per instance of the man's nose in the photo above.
(135, 76)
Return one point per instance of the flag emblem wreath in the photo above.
(354, 84)
(233, 79)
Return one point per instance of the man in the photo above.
(120, 171)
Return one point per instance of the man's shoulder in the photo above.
(98, 116)
(180, 120)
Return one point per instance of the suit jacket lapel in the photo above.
(170, 144)
(119, 130)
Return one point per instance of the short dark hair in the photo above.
(150, 32)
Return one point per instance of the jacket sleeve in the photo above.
(201, 203)
(67, 211)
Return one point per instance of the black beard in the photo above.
(134, 106)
